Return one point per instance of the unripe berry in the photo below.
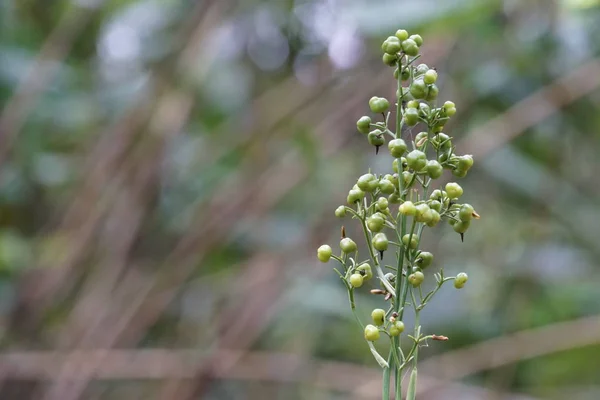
(424, 259)
(449, 104)
(461, 227)
(408, 178)
(434, 169)
(435, 218)
(378, 104)
(391, 45)
(413, 104)
(380, 242)
(459, 173)
(347, 245)
(450, 111)
(460, 280)
(430, 76)
(375, 138)
(355, 195)
(397, 147)
(453, 190)
(378, 316)
(411, 116)
(389, 59)
(432, 93)
(371, 333)
(356, 280)
(410, 47)
(466, 212)
(465, 162)
(435, 205)
(365, 270)
(340, 212)
(401, 34)
(436, 195)
(417, 39)
(421, 69)
(386, 186)
(363, 124)
(367, 183)
(412, 241)
(423, 213)
(416, 159)
(407, 208)
(394, 198)
(375, 223)
(416, 278)
(397, 328)
(324, 253)
(382, 204)
(418, 89)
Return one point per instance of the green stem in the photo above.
(386, 378)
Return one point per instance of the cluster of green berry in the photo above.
(407, 185)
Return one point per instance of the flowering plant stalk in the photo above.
(399, 204)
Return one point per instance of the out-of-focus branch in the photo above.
(47, 62)
(228, 364)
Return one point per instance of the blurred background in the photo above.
(168, 168)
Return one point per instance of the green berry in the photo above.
(417, 39)
(424, 213)
(435, 205)
(401, 34)
(430, 76)
(397, 147)
(367, 183)
(418, 89)
(340, 212)
(324, 253)
(397, 328)
(408, 178)
(466, 212)
(435, 218)
(459, 173)
(432, 92)
(413, 104)
(378, 104)
(375, 223)
(416, 159)
(449, 104)
(465, 162)
(421, 137)
(434, 169)
(389, 59)
(378, 316)
(347, 245)
(460, 280)
(436, 195)
(363, 124)
(394, 198)
(405, 74)
(371, 333)
(411, 117)
(407, 208)
(382, 204)
(453, 190)
(461, 227)
(356, 280)
(416, 278)
(380, 242)
(375, 138)
(410, 240)
(410, 47)
(421, 69)
(365, 270)
(424, 259)
(355, 195)
(391, 45)
(386, 186)
(442, 141)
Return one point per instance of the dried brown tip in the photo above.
(388, 296)
(421, 142)
(475, 215)
(378, 291)
(439, 338)
(343, 232)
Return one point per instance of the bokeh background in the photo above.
(168, 168)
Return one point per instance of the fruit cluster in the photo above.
(394, 208)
